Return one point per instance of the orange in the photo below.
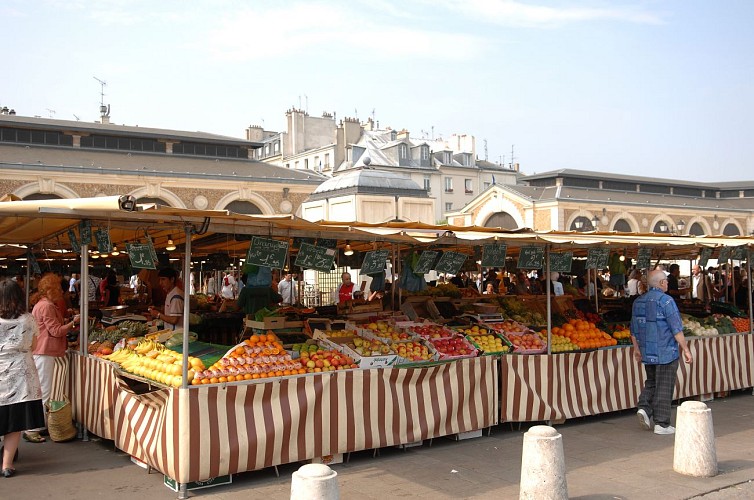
(254, 339)
(271, 337)
(286, 372)
(301, 371)
(196, 381)
(213, 380)
(262, 375)
(247, 376)
(279, 373)
(255, 375)
(240, 351)
(222, 379)
(205, 381)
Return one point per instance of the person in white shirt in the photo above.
(228, 290)
(288, 289)
(632, 287)
(557, 286)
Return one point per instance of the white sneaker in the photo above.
(664, 430)
(643, 420)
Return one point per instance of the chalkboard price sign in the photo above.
(140, 255)
(314, 257)
(33, 262)
(74, 241)
(374, 261)
(85, 232)
(450, 262)
(704, 256)
(426, 260)
(643, 256)
(531, 257)
(724, 255)
(494, 255)
(267, 253)
(103, 240)
(739, 253)
(597, 258)
(561, 262)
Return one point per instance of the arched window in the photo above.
(243, 207)
(43, 196)
(696, 229)
(503, 220)
(581, 223)
(622, 225)
(662, 227)
(150, 199)
(731, 230)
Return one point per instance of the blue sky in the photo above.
(653, 88)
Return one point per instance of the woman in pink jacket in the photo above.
(52, 342)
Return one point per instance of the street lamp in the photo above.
(595, 222)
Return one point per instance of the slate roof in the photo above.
(368, 181)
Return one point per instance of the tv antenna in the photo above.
(51, 112)
(103, 110)
(485, 150)
(513, 158)
(77, 117)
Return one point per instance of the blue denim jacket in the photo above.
(654, 323)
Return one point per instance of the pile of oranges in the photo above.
(584, 334)
(259, 356)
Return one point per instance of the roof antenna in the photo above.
(104, 111)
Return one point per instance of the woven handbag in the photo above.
(60, 421)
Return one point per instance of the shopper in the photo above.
(344, 292)
(657, 336)
(288, 289)
(20, 393)
(52, 342)
(632, 287)
(228, 290)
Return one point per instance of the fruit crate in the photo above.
(506, 343)
(437, 344)
(434, 355)
(519, 350)
(432, 331)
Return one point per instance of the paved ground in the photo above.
(607, 457)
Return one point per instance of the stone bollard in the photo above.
(694, 453)
(543, 474)
(315, 482)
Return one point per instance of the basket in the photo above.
(60, 421)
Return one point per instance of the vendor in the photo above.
(173, 312)
(345, 291)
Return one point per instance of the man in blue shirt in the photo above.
(657, 334)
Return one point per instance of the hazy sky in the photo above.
(640, 87)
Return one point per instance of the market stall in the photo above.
(195, 432)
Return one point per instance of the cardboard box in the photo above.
(198, 485)
(269, 323)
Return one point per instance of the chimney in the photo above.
(516, 166)
(254, 133)
(403, 134)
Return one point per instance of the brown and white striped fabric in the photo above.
(208, 431)
(553, 387)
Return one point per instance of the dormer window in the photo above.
(403, 151)
(446, 158)
(393, 135)
(425, 153)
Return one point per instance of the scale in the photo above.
(115, 314)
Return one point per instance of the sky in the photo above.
(635, 87)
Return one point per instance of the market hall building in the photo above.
(580, 200)
(47, 158)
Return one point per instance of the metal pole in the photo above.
(549, 299)
(748, 278)
(27, 287)
(84, 302)
(186, 305)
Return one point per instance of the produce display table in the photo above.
(208, 431)
(568, 385)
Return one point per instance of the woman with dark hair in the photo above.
(20, 393)
(52, 342)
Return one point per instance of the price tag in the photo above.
(561, 262)
(597, 258)
(74, 241)
(374, 261)
(450, 262)
(494, 255)
(103, 240)
(425, 262)
(704, 256)
(85, 232)
(140, 255)
(314, 257)
(268, 253)
(643, 258)
(531, 257)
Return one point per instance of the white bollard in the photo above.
(694, 453)
(543, 474)
(315, 482)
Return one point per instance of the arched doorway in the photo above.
(696, 229)
(243, 207)
(43, 196)
(501, 219)
(731, 230)
(622, 226)
(581, 223)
